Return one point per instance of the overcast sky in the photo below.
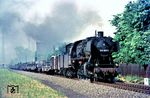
(53, 21)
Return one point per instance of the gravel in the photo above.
(83, 88)
(67, 92)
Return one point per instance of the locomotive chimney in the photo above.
(100, 33)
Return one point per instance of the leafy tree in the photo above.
(133, 33)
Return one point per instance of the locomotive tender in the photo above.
(90, 58)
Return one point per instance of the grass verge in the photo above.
(134, 79)
(28, 87)
(131, 79)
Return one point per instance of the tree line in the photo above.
(133, 33)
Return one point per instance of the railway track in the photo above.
(121, 85)
(126, 86)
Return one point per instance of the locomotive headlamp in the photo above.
(80, 62)
(117, 65)
(73, 61)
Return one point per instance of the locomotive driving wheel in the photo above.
(69, 73)
(91, 78)
(79, 74)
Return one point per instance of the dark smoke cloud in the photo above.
(11, 24)
(65, 23)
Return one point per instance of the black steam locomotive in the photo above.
(90, 58)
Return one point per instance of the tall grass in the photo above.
(28, 87)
